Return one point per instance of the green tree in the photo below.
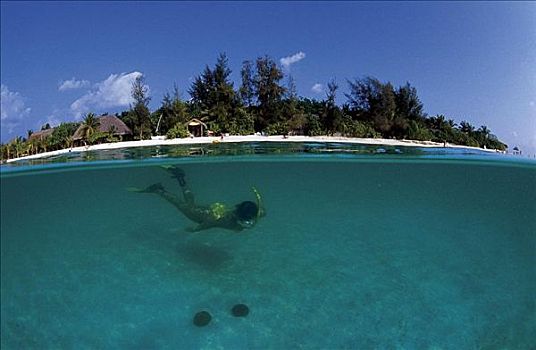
(269, 92)
(90, 126)
(362, 96)
(247, 89)
(4, 152)
(61, 137)
(408, 108)
(172, 111)
(202, 91)
(140, 117)
(408, 104)
(32, 145)
(18, 146)
(331, 116)
(466, 127)
(177, 131)
(383, 109)
(215, 99)
(389, 110)
(291, 116)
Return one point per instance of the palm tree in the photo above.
(484, 131)
(5, 152)
(110, 135)
(9, 150)
(18, 146)
(44, 143)
(451, 123)
(466, 127)
(33, 145)
(90, 126)
(439, 122)
(68, 142)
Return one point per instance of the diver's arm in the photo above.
(226, 224)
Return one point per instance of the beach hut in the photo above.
(196, 127)
(107, 124)
(42, 134)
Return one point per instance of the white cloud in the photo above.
(287, 61)
(51, 119)
(317, 88)
(115, 91)
(532, 103)
(72, 84)
(12, 107)
(514, 133)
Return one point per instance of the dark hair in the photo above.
(246, 210)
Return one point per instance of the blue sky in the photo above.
(471, 61)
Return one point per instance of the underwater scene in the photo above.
(352, 249)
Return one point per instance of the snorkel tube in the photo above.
(259, 201)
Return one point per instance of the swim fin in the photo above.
(176, 172)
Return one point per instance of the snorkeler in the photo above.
(243, 215)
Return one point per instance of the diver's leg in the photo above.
(172, 199)
(176, 173)
(186, 192)
(179, 174)
(159, 190)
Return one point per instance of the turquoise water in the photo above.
(357, 251)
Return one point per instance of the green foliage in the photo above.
(355, 128)
(298, 124)
(90, 126)
(331, 114)
(269, 92)
(214, 98)
(247, 89)
(17, 147)
(177, 131)
(109, 136)
(171, 112)
(418, 131)
(313, 126)
(278, 128)
(408, 104)
(139, 118)
(62, 135)
(242, 123)
(388, 110)
(4, 153)
(97, 136)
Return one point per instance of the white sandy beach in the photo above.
(249, 138)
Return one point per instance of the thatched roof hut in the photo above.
(196, 127)
(42, 134)
(107, 123)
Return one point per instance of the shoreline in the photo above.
(249, 138)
